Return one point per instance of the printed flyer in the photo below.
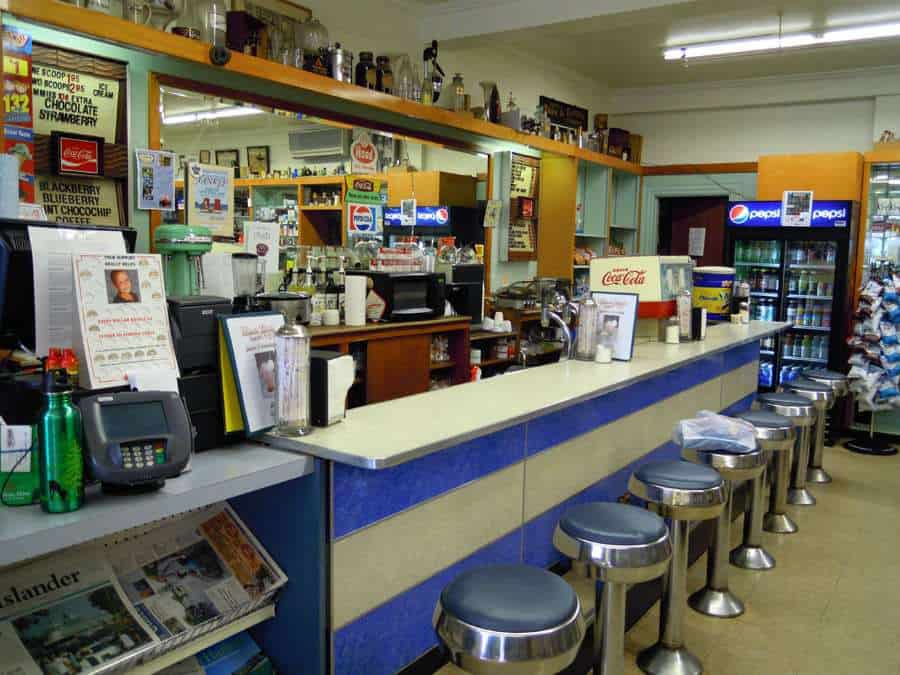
(209, 197)
(155, 179)
(123, 320)
(17, 107)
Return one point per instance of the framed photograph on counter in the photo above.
(618, 314)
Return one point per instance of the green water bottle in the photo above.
(60, 462)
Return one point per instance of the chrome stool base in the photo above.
(816, 474)
(662, 660)
(800, 497)
(752, 558)
(779, 523)
(720, 604)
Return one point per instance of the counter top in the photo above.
(216, 475)
(387, 434)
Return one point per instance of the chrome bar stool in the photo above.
(507, 619)
(716, 599)
(775, 434)
(681, 492)
(625, 545)
(801, 412)
(839, 387)
(821, 397)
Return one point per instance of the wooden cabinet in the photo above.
(556, 216)
(432, 188)
(394, 367)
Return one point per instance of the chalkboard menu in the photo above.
(564, 113)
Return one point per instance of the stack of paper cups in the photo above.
(9, 186)
(355, 300)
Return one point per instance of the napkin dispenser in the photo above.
(331, 376)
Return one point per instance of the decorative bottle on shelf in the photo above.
(341, 286)
(210, 19)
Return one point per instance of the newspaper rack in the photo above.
(256, 605)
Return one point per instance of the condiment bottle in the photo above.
(366, 75)
(60, 462)
(70, 363)
(384, 75)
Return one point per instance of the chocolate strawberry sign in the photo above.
(363, 155)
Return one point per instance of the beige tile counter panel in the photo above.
(739, 383)
(390, 433)
(393, 555)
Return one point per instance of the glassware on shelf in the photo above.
(403, 79)
(458, 93)
(209, 18)
(98, 6)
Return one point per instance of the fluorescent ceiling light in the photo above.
(223, 113)
(775, 42)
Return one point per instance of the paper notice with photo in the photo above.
(122, 318)
(67, 614)
(197, 569)
(52, 249)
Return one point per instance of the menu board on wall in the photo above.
(209, 198)
(66, 100)
(80, 201)
(521, 236)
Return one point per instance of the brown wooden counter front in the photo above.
(397, 356)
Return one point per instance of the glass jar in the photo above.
(366, 75)
(209, 18)
(384, 75)
(586, 335)
(403, 80)
(458, 92)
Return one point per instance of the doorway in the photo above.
(679, 215)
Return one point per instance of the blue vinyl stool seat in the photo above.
(509, 619)
(625, 545)
(682, 492)
(776, 435)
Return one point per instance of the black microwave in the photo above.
(403, 296)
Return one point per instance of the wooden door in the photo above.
(679, 215)
(397, 367)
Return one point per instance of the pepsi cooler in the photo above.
(793, 276)
(433, 222)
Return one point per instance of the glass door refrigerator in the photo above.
(798, 275)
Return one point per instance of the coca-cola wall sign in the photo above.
(76, 154)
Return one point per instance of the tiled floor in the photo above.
(832, 604)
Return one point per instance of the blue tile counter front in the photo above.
(396, 537)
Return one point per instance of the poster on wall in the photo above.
(364, 219)
(79, 201)
(365, 190)
(521, 236)
(17, 107)
(66, 100)
(123, 320)
(261, 239)
(209, 197)
(796, 208)
(155, 179)
(523, 182)
(363, 155)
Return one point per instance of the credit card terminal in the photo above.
(136, 439)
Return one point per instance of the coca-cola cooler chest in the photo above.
(656, 279)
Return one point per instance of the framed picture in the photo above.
(618, 322)
(205, 157)
(258, 159)
(228, 158)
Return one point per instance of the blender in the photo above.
(182, 248)
(244, 273)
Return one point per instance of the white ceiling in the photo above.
(624, 48)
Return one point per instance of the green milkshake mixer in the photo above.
(60, 462)
(182, 248)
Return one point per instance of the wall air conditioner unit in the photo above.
(319, 140)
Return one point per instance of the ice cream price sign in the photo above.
(66, 100)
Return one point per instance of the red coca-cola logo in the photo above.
(80, 156)
(622, 276)
(364, 185)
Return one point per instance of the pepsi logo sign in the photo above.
(362, 218)
(442, 216)
(739, 214)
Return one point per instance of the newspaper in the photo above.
(201, 568)
(65, 615)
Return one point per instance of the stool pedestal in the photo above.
(681, 493)
(776, 519)
(821, 396)
(775, 435)
(797, 493)
(716, 599)
(838, 383)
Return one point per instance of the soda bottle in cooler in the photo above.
(791, 312)
(792, 284)
(788, 347)
(823, 348)
(830, 254)
(826, 317)
(802, 283)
